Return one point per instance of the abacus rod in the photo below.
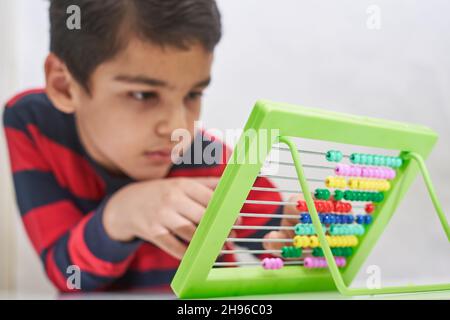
(257, 240)
(267, 215)
(257, 251)
(253, 263)
(306, 151)
(262, 228)
(275, 176)
(284, 203)
(249, 251)
(276, 190)
(311, 166)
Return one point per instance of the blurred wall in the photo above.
(314, 53)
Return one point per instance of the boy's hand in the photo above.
(284, 234)
(159, 211)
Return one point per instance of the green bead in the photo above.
(322, 194)
(317, 252)
(398, 162)
(291, 252)
(355, 158)
(348, 195)
(376, 160)
(338, 195)
(379, 197)
(369, 159)
(389, 161)
(382, 161)
(333, 156)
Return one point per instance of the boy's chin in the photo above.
(150, 172)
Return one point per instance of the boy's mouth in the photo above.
(160, 156)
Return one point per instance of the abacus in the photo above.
(337, 224)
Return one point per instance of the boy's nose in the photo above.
(173, 119)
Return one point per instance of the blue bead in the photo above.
(304, 218)
(332, 218)
(321, 217)
(350, 219)
(326, 219)
(359, 219)
(368, 219)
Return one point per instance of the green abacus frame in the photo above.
(195, 277)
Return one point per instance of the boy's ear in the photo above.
(59, 84)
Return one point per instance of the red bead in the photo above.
(338, 207)
(348, 207)
(330, 206)
(301, 206)
(370, 208)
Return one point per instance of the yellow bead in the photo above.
(329, 182)
(313, 241)
(297, 242)
(353, 183)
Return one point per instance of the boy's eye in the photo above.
(194, 95)
(143, 96)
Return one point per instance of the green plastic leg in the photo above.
(334, 270)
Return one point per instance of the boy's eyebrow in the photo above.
(139, 79)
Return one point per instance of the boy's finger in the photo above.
(182, 227)
(199, 193)
(190, 209)
(210, 182)
(275, 245)
(170, 244)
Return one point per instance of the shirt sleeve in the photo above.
(65, 238)
(260, 209)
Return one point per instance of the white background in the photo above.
(314, 53)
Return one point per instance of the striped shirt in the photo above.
(61, 193)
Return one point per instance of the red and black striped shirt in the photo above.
(61, 193)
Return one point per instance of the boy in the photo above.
(91, 155)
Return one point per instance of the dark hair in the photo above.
(107, 25)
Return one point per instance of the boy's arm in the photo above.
(61, 234)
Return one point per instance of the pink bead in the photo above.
(272, 263)
(339, 169)
(358, 171)
(341, 261)
(309, 262)
(391, 173)
(379, 174)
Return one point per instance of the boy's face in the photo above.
(136, 101)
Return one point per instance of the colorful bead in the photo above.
(320, 262)
(342, 251)
(334, 156)
(336, 182)
(322, 194)
(369, 184)
(301, 242)
(304, 229)
(368, 219)
(305, 218)
(377, 160)
(313, 241)
(338, 195)
(369, 208)
(272, 263)
(291, 252)
(353, 229)
(301, 206)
